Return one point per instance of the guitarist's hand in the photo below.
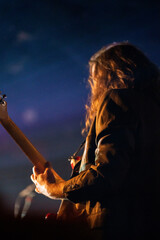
(48, 183)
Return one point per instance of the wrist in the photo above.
(55, 190)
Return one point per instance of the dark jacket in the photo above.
(118, 185)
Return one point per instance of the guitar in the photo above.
(67, 210)
(23, 142)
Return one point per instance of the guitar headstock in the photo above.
(3, 107)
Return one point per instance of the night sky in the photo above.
(45, 48)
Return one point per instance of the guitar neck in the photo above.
(23, 142)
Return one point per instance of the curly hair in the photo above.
(116, 66)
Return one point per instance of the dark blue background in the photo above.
(45, 46)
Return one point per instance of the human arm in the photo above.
(115, 139)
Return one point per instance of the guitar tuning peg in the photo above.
(2, 97)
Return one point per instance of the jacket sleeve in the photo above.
(115, 141)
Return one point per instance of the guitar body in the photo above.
(72, 212)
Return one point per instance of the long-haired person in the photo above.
(117, 188)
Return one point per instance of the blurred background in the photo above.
(45, 46)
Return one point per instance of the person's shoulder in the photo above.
(116, 105)
(120, 97)
(124, 94)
